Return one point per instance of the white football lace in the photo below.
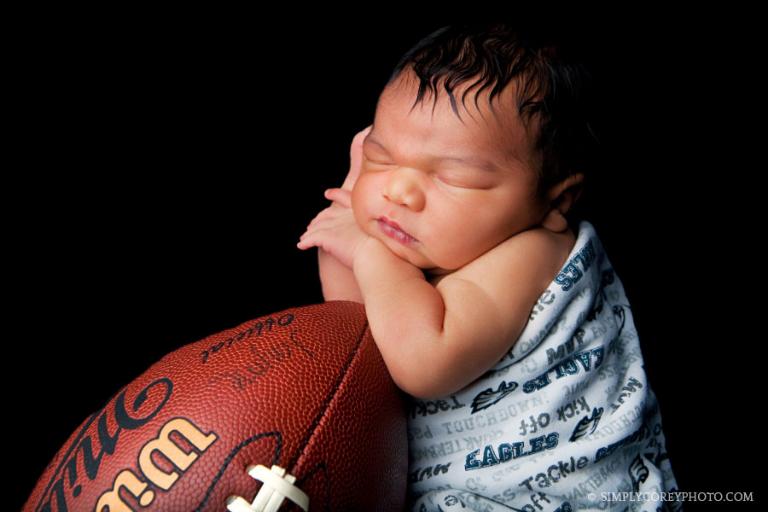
(276, 487)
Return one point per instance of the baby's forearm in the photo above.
(337, 280)
(405, 312)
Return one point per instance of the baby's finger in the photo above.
(355, 158)
(310, 239)
(313, 227)
(323, 213)
(341, 196)
(305, 242)
(328, 213)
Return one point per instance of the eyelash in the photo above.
(454, 185)
(436, 175)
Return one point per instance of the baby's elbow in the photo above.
(342, 293)
(421, 384)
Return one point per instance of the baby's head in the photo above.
(502, 147)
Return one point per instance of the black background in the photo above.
(168, 164)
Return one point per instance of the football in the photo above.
(291, 411)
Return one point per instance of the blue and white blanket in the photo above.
(564, 420)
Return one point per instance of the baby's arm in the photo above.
(436, 340)
(337, 280)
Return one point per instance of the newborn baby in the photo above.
(508, 328)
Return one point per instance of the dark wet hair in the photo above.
(553, 84)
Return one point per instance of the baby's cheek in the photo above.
(361, 193)
(367, 205)
(359, 203)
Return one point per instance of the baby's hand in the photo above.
(355, 158)
(335, 229)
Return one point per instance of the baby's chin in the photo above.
(436, 271)
(414, 256)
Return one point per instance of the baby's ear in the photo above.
(555, 221)
(563, 195)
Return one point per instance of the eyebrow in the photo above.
(474, 161)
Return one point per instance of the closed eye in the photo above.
(463, 180)
(454, 182)
(376, 162)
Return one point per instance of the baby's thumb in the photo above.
(355, 158)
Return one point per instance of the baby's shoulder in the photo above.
(538, 252)
(492, 296)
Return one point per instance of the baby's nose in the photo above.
(405, 192)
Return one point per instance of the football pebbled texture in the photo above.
(300, 398)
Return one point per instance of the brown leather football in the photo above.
(291, 411)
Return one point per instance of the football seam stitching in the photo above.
(333, 396)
